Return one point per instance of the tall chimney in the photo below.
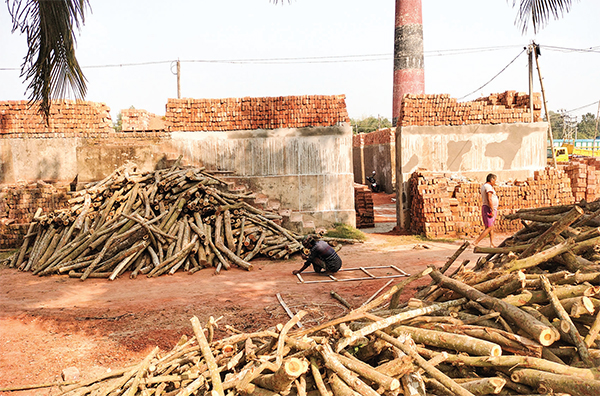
(409, 76)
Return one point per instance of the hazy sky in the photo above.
(234, 44)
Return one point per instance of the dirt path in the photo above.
(51, 323)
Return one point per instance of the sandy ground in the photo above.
(48, 324)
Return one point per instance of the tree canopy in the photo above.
(369, 124)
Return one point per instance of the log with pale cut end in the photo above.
(546, 382)
(282, 379)
(567, 322)
(541, 333)
(445, 340)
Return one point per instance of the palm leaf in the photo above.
(539, 12)
(50, 65)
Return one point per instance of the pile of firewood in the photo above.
(152, 223)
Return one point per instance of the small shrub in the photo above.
(345, 231)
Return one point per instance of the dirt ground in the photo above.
(51, 323)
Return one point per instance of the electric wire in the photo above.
(493, 78)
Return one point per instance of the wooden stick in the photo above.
(564, 317)
(215, 376)
(430, 369)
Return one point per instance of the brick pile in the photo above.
(381, 136)
(363, 205)
(140, 120)
(584, 174)
(67, 118)
(18, 204)
(430, 212)
(435, 110)
(233, 114)
(442, 207)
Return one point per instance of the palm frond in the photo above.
(50, 65)
(539, 12)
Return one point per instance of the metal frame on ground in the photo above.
(363, 269)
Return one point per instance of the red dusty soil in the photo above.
(51, 323)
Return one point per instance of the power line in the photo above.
(493, 78)
(306, 59)
(595, 50)
(583, 107)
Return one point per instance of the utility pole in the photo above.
(596, 131)
(530, 55)
(536, 52)
(178, 79)
(178, 74)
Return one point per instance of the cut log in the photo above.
(526, 322)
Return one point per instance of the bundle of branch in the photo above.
(153, 223)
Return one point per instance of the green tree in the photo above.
(557, 124)
(369, 124)
(118, 123)
(586, 128)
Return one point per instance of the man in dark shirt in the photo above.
(322, 257)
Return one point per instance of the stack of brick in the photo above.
(584, 173)
(381, 136)
(430, 211)
(434, 110)
(234, 114)
(18, 204)
(68, 118)
(363, 205)
(441, 207)
(140, 120)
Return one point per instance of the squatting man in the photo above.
(322, 256)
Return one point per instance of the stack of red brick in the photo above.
(140, 120)
(363, 205)
(435, 110)
(584, 174)
(381, 136)
(255, 113)
(18, 204)
(68, 118)
(442, 207)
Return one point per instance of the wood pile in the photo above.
(231, 114)
(152, 223)
(522, 321)
(363, 205)
(441, 109)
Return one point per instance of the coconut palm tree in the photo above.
(51, 67)
(538, 12)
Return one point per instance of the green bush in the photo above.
(345, 231)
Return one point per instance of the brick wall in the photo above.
(444, 207)
(433, 110)
(18, 203)
(233, 114)
(67, 118)
(141, 120)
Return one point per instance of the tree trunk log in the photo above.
(555, 383)
(457, 342)
(429, 368)
(564, 317)
(526, 322)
